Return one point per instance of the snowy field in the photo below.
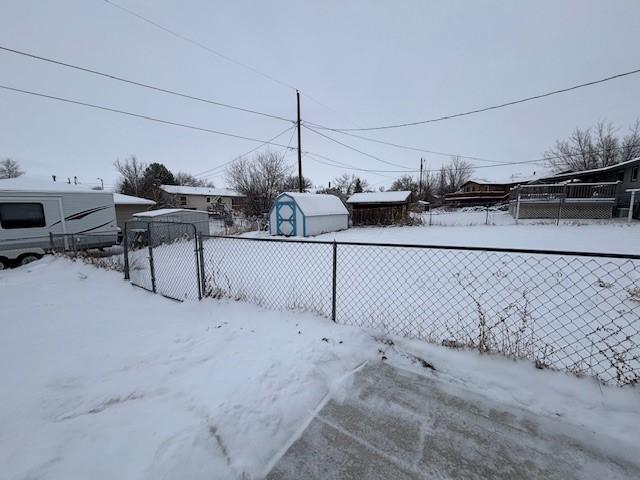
(103, 380)
(468, 229)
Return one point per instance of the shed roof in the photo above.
(205, 191)
(316, 204)
(122, 199)
(165, 211)
(380, 197)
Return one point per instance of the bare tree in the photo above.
(346, 184)
(132, 178)
(595, 147)
(404, 183)
(189, 180)
(291, 184)
(260, 179)
(9, 168)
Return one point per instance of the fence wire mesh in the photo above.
(562, 310)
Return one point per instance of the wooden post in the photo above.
(633, 199)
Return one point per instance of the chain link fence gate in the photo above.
(163, 257)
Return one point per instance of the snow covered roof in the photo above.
(206, 191)
(165, 211)
(315, 204)
(380, 197)
(122, 199)
(594, 170)
(44, 185)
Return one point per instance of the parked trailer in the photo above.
(31, 216)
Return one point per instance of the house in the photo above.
(305, 214)
(127, 205)
(202, 198)
(380, 208)
(625, 175)
(481, 192)
(596, 193)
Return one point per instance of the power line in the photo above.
(493, 107)
(246, 153)
(144, 85)
(406, 147)
(223, 56)
(137, 115)
(200, 45)
(354, 149)
(340, 164)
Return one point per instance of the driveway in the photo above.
(396, 424)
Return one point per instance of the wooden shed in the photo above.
(380, 208)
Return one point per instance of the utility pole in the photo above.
(300, 182)
(420, 184)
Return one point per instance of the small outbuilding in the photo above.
(380, 208)
(304, 214)
(176, 215)
(127, 206)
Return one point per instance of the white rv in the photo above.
(30, 212)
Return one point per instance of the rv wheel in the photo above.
(28, 258)
(4, 263)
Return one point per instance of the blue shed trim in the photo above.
(292, 220)
(281, 199)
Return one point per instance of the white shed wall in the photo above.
(326, 223)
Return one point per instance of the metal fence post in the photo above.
(203, 282)
(151, 266)
(518, 206)
(334, 282)
(486, 220)
(125, 241)
(430, 215)
(51, 243)
(563, 195)
(196, 252)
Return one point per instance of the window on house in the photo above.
(634, 174)
(183, 201)
(621, 176)
(208, 199)
(22, 215)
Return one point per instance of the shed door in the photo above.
(286, 218)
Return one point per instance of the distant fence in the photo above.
(572, 311)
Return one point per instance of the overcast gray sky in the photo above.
(371, 62)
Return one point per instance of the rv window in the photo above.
(21, 215)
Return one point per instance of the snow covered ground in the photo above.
(468, 229)
(103, 380)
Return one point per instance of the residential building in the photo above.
(480, 192)
(202, 198)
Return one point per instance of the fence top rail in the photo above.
(623, 256)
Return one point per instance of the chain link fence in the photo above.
(163, 257)
(572, 311)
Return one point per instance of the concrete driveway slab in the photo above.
(397, 424)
